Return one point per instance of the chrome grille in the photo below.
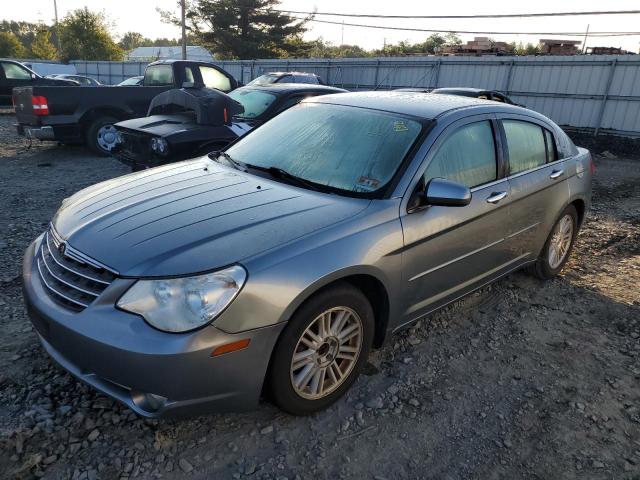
(72, 279)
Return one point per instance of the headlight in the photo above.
(182, 304)
(159, 145)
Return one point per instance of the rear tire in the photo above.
(322, 350)
(100, 136)
(558, 247)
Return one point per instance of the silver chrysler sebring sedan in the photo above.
(275, 266)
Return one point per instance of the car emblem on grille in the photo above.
(62, 248)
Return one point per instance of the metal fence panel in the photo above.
(585, 92)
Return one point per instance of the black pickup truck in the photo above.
(86, 114)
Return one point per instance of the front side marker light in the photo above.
(231, 347)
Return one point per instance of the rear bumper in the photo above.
(39, 133)
(57, 133)
(156, 374)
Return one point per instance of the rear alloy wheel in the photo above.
(322, 350)
(101, 135)
(558, 245)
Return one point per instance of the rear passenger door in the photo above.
(537, 179)
(451, 250)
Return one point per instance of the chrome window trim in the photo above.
(531, 170)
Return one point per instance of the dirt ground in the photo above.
(522, 380)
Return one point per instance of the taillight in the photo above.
(40, 105)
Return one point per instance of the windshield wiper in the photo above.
(283, 174)
(234, 163)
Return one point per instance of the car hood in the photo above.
(191, 217)
(166, 125)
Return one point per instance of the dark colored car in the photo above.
(277, 266)
(131, 81)
(167, 135)
(476, 93)
(82, 80)
(14, 74)
(287, 77)
(463, 92)
(86, 115)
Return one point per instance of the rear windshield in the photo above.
(357, 150)
(158, 75)
(264, 80)
(255, 102)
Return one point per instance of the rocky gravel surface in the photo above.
(523, 379)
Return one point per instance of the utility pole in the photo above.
(55, 11)
(342, 40)
(584, 43)
(184, 31)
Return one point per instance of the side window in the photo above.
(286, 79)
(526, 145)
(188, 75)
(15, 72)
(552, 155)
(213, 78)
(158, 75)
(306, 79)
(468, 156)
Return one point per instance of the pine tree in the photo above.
(244, 29)
(42, 46)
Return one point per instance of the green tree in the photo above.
(10, 46)
(131, 40)
(84, 35)
(242, 28)
(42, 47)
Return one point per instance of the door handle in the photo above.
(495, 197)
(556, 174)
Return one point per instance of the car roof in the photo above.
(425, 106)
(282, 88)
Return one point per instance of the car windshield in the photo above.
(264, 80)
(131, 81)
(356, 150)
(254, 102)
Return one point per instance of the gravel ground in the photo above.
(521, 380)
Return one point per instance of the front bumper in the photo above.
(119, 354)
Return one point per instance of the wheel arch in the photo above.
(369, 282)
(90, 115)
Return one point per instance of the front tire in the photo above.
(101, 135)
(558, 246)
(322, 350)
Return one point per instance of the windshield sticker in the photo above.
(367, 184)
(399, 126)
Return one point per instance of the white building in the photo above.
(150, 54)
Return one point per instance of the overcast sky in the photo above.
(141, 16)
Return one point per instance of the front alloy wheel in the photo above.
(326, 353)
(322, 350)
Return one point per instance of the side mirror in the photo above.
(33, 76)
(445, 193)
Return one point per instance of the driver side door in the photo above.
(449, 251)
